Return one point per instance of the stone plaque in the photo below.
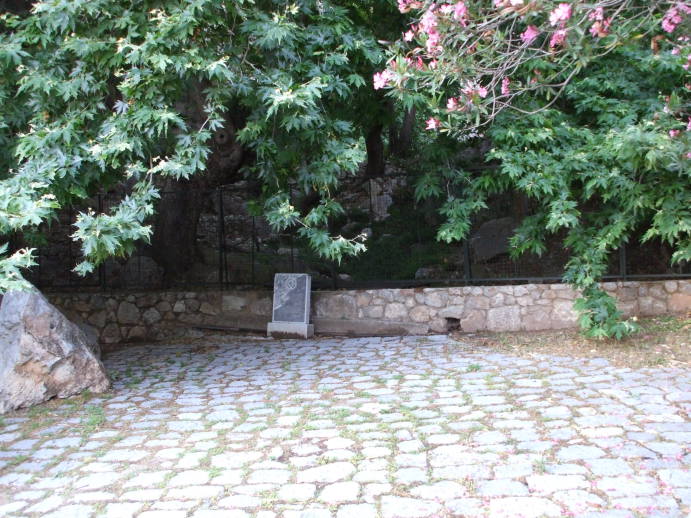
(292, 297)
(291, 305)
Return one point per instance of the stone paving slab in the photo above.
(407, 427)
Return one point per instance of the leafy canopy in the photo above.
(92, 94)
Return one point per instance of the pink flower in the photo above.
(409, 36)
(432, 43)
(674, 133)
(673, 17)
(561, 14)
(472, 89)
(381, 79)
(505, 90)
(529, 35)
(688, 125)
(433, 123)
(557, 38)
(675, 51)
(597, 15)
(428, 22)
(406, 5)
(600, 29)
(460, 13)
(452, 104)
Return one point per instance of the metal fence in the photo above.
(237, 249)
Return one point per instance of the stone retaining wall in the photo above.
(120, 317)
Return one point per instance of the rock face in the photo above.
(42, 354)
(492, 238)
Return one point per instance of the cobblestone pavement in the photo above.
(377, 427)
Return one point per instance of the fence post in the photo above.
(221, 239)
(102, 266)
(254, 239)
(622, 262)
(467, 268)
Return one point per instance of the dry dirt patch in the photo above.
(662, 341)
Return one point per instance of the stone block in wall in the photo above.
(496, 300)
(148, 300)
(335, 305)
(163, 306)
(97, 319)
(137, 333)
(671, 286)
(626, 293)
(477, 302)
(208, 309)
(151, 316)
(684, 287)
(628, 308)
(420, 314)
(128, 313)
(179, 306)
(455, 311)
(536, 318)
(395, 311)
(520, 291)
(680, 303)
(563, 314)
(435, 297)
(233, 303)
(438, 325)
(473, 320)
(650, 306)
(373, 311)
(262, 306)
(363, 299)
(191, 305)
(507, 318)
(111, 334)
(656, 291)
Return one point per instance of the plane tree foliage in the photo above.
(91, 96)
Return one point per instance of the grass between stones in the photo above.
(661, 342)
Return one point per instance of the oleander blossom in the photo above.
(558, 38)
(673, 16)
(560, 14)
(674, 133)
(597, 15)
(433, 124)
(381, 79)
(505, 86)
(428, 22)
(529, 35)
(405, 6)
(409, 35)
(472, 89)
(452, 104)
(460, 13)
(600, 28)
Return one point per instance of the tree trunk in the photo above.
(375, 152)
(174, 243)
(401, 139)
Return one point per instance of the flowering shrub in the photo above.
(585, 105)
(534, 46)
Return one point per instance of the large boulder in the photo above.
(42, 354)
(492, 238)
